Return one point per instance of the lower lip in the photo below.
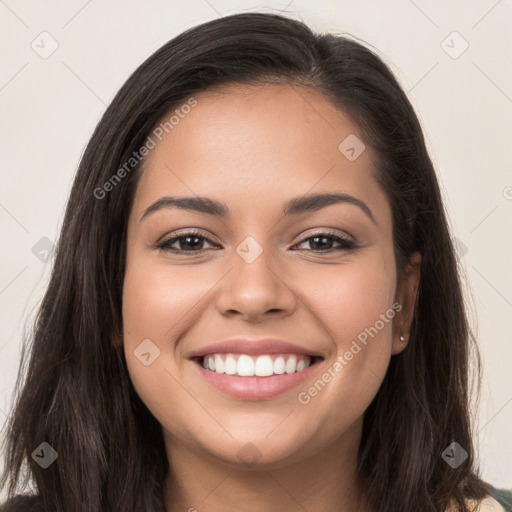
(255, 388)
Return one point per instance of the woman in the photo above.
(203, 344)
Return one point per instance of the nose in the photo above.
(256, 289)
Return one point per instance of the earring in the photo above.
(402, 338)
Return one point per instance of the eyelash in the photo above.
(347, 244)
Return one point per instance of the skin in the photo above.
(254, 148)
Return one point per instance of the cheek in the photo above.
(354, 306)
(156, 299)
(348, 299)
(155, 303)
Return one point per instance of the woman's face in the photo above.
(259, 272)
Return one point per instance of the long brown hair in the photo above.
(76, 394)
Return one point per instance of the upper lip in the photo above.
(253, 347)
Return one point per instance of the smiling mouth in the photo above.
(264, 365)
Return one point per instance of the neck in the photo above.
(323, 482)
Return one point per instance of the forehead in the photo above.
(265, 141)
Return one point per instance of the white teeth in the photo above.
(260, 366)
(245, 366)
(230, 365)
(264, 366)
(219, 364)
(279, 365)
(291, 365)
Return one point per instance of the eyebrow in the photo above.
(295, 206)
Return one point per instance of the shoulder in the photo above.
(23, 503)
(501, 501)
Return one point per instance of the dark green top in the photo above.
(504, 498)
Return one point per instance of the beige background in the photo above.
(49, 107)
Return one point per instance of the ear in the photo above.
(407, 291)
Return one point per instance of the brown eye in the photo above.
(319, 241)
(187, 242)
